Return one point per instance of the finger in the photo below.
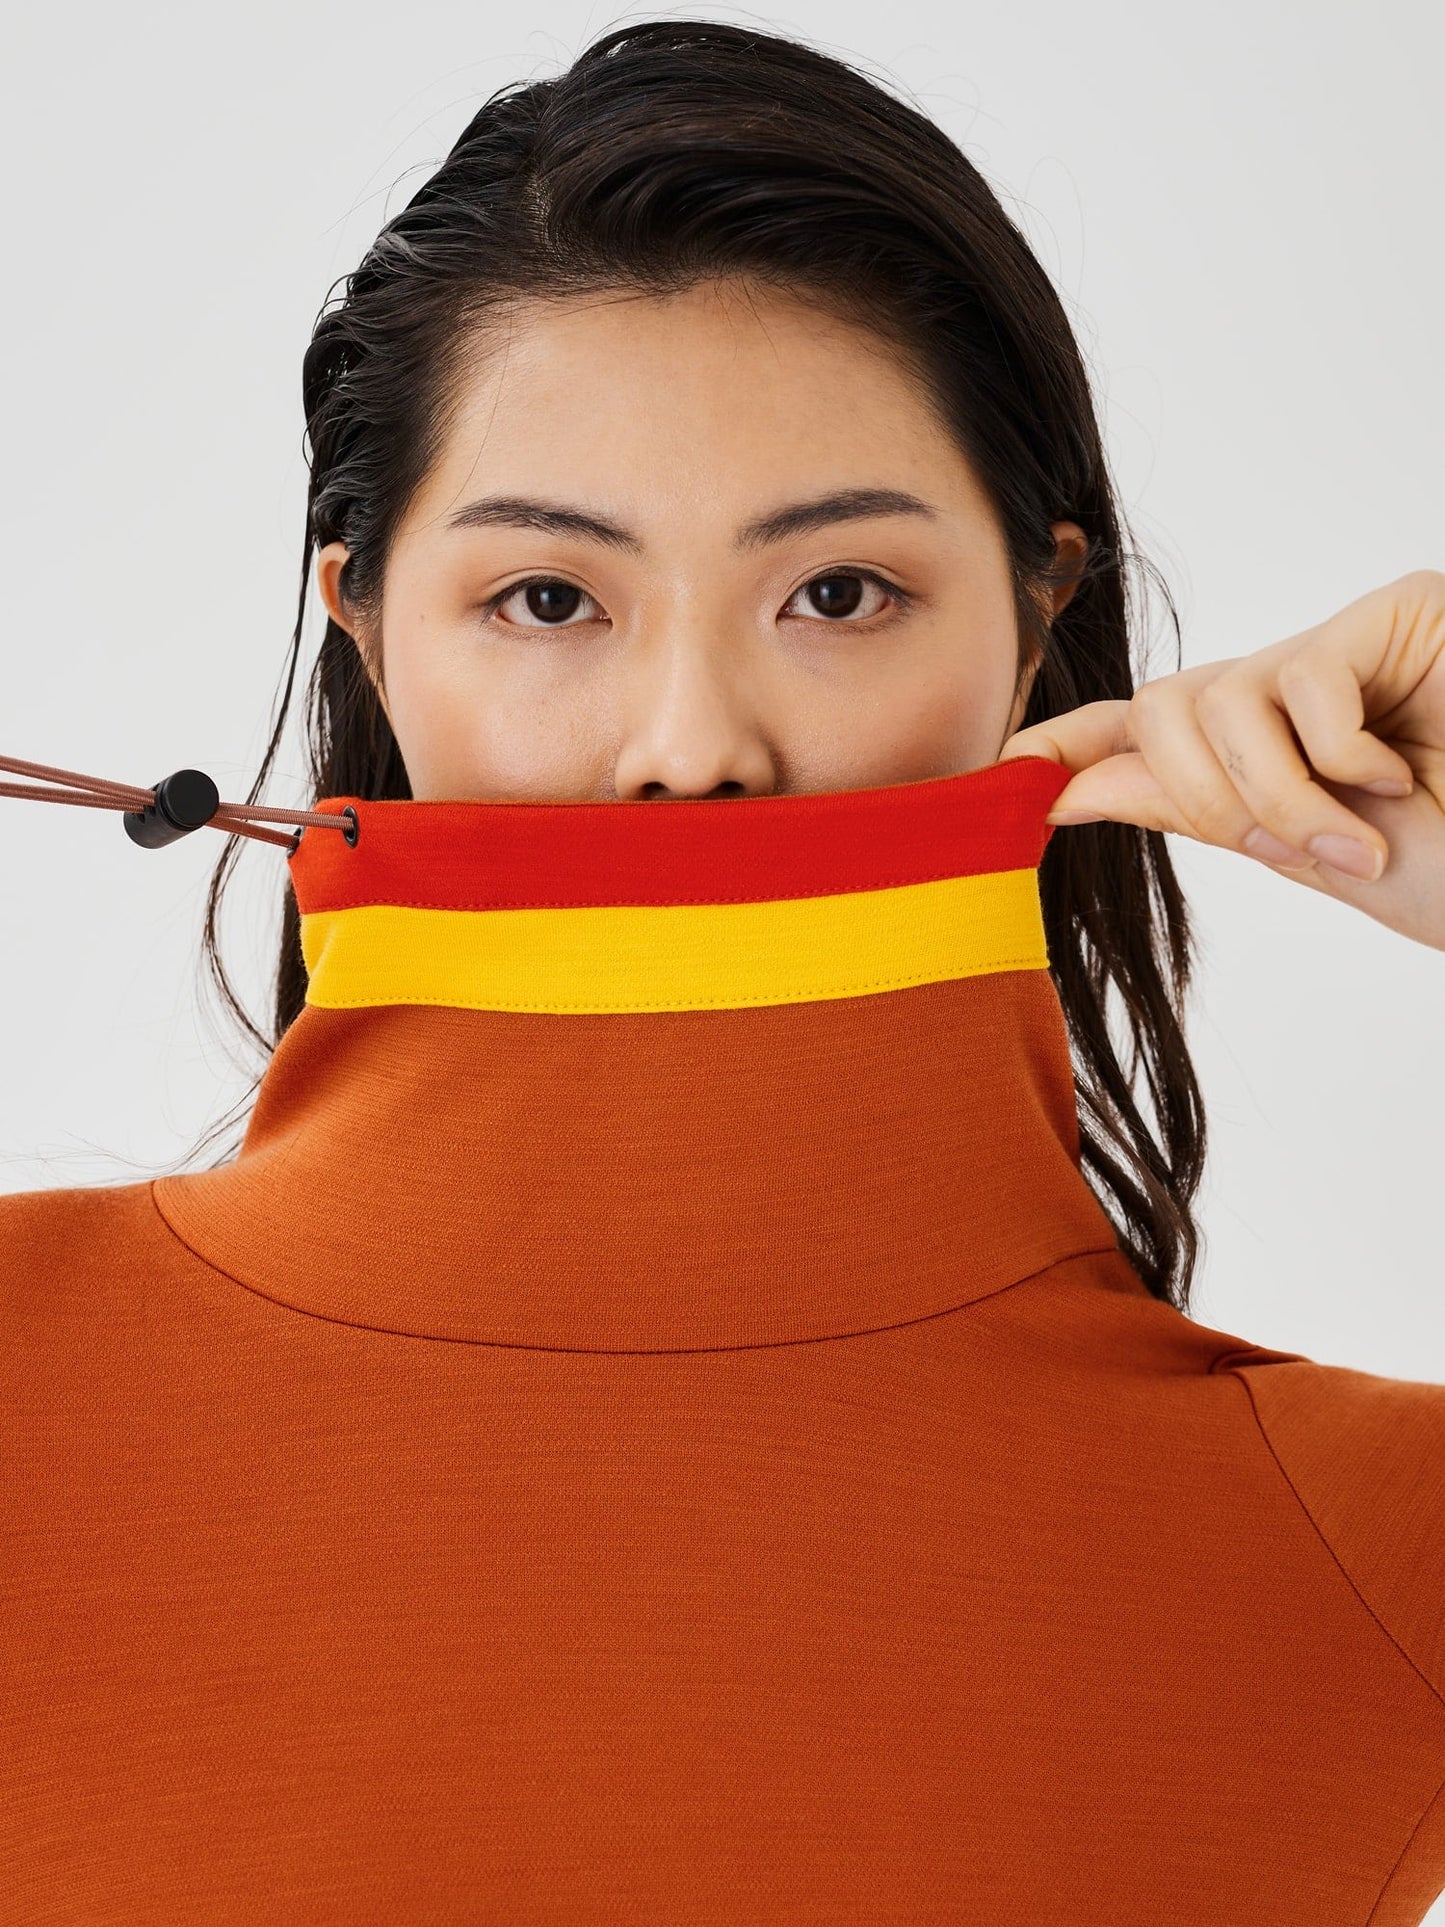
(1112, 781)
(1389, 638)
(1322, 697)
(1121, 789)
(1206, 802)
(1077, 738)
(1252, 739)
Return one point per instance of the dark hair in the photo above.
(672, 151)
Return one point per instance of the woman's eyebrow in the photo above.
(797, 518)
(552, 518)
(842, 505)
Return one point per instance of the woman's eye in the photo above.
(841, 593)
(545, 604)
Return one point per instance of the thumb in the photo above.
(1111, 778)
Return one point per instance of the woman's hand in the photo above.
(1322, 756)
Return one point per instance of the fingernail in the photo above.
(1075, 816)
(1389, 786)
(1347, 853)
(1268, 848)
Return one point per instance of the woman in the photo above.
(684, 1407)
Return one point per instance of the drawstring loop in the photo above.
(184, 801)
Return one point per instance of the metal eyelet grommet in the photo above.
(354, 831)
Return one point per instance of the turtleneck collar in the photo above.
(650, 1077)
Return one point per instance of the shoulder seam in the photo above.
(1403, 1855)
(1235, 1372)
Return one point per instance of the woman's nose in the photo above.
(690, 724)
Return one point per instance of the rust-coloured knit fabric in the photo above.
(691, 1466)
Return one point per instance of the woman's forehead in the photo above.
(722, 400)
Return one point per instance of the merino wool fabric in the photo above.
(654, 1426)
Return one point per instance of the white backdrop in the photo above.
(1241, 207)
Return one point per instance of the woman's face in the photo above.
(711, 543)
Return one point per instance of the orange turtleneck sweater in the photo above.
(655, 1427)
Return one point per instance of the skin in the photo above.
(695, 666)
(682, 638)
(1324, 750)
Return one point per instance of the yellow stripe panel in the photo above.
(676, 956)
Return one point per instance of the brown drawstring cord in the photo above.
(175, 806)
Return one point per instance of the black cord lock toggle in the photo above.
(184, 801)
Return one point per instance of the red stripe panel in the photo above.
(494, 856)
